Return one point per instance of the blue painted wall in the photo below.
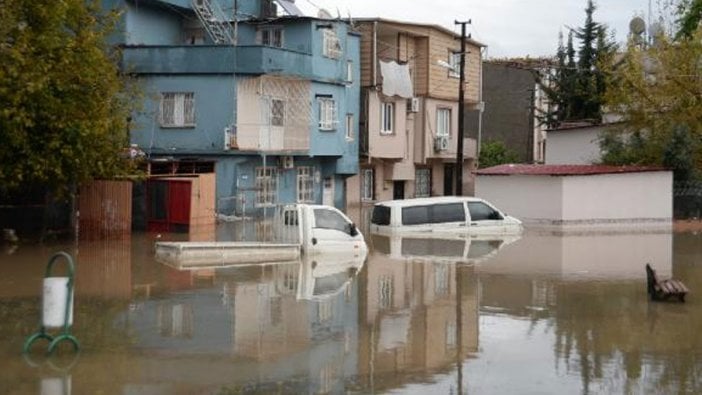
(214, 110)
(147, 25)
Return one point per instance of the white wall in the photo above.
(630, 196)
(575, 147)
(529, 198)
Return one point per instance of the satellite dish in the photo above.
(324, 14)
(637, 26)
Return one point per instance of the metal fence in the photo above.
(687, 199)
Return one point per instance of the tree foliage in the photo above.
(495, 152)
(65, 106)
(576, 87)
(658, 92)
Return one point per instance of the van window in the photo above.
(480, 211)
(328, 219)
(433, 214)
(381, 215)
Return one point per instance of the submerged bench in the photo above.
(664, 289)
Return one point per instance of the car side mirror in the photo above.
(353, 231)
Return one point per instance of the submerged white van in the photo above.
(442, 214)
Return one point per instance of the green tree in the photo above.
(689, 17)
(658, 93)
(577, 86)
(65, 106)
(495, 152)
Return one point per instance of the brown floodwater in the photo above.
(547, 312)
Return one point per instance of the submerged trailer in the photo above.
(298, 229)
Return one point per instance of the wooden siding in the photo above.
(366, 31)
(105, 209)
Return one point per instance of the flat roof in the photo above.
(419, 24)
(563, 170)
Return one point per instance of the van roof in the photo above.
(429, 200)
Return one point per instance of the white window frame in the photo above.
(443, 122)
(266, 186)
(276, 115)
(387, 117)
(350, 127)
(305, 184)
(349, 71)
(271, 36)
(327, 113)
(177, 110)
(331, 47)
(367, 184)
(454, 60)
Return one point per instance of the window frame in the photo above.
(273, 41)
(272, 117)
(349, 71)
(305, 184)
(172, 102)
(331, 46)
(454, 60)
(350, 130)
(387, 118)
(440, 132)
(327, 113)
(266, 182)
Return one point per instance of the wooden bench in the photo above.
(664, 289)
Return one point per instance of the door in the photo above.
(328, 191)
(485, 219)
(398, 190)
(449, 178)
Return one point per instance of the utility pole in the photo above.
(461, 105)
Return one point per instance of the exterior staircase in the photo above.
(214, 20)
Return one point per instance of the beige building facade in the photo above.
(409, 111)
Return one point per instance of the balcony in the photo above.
(182, 59)
(270, 60)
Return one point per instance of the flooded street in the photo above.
(546, 312)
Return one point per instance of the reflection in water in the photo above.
(552, 313)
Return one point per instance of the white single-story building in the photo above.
(579, 194)
(574, 143)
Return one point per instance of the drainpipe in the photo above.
(375, 54)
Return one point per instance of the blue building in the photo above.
(252, 90)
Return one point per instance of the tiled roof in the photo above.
(562, 170)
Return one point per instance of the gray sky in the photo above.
(508, 27)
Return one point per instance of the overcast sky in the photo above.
(509, 27)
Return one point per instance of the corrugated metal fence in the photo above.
(105, 209)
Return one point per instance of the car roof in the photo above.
(428, 201)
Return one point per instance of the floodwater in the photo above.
(546, 312)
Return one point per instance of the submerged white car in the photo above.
(442, 214)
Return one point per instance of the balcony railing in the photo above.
(270, 60)
(182, 59)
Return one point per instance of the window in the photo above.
(443, 122)
(277, 115)
(331, 47)
(328, 219)
(349, 71)
(367, 184)
(177, 109)
(266, 186)
(481, 212)
(381, 215)
(349, 127)
(422, 183)
(433, 214)
(305, 185)
(387, 118)
(327, 113)
(271, 36)
(454, 60)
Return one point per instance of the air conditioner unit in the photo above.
(413, 104)
(441, 143)
(287, 162)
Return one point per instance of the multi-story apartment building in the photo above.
(252, 90)
(409, 110)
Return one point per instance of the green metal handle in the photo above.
(69, 261)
